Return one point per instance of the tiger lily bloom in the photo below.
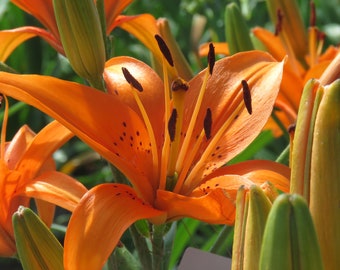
(43, 11)
(169, 142)
(27, 170)
(304, 49)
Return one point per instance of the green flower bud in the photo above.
(289, 239)
(81, 35)
(36, 245)
(237, 32)
(252, 208)
(325, 175)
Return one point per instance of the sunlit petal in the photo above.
(57, 188)
(112, 10)
(152, 94)
(42, 10)
(109, 209)
(215, 207)
(45, 211)
(224, 96)
(43, 145)
(11, 39)
(258, 171)
(16, 148)
(220, 48)
(144, 28)
(123, 139)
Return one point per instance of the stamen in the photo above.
(190, 181)
(172, 125)
(278, 26)
(207, 124)
(291, 128)
(4, 128)
(135, 84)
(247, 96)
(312, 20)
(164, 49)
(211, 58)
(186, 142)
(132, 80)
(321, 38)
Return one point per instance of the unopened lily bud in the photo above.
(81, 36)
(252, 208)
(36, 245)
(289, 239)
(302, 142)
(325, 175)
(237, 32)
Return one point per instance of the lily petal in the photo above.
(109, 209)
(258, 171)
(11, 39)
(42, 10)
(112, 11)
(17, 146)
(263, 74)
(124, 140)
(7, 243)
(214, 207)
(43, 145)
(57, 188)
(152, 94)
(144, 28)
(220, 48)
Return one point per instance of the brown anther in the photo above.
(132, 80)
(1, 99)
(211, 58)
(172, 125)
(179, 85)
(207, 124)
(291, 128)
(247, 96)
(312, 19)
(278, 26)
(164, 49)
(321, 36)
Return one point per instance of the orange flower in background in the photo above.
(169, 143)
(304, 48)
(27, 170)
(43, 11)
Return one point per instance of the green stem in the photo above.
(157, 241)
(121, 258)
(142, 248)
(221, 245)
(284, 156)
(101, 12)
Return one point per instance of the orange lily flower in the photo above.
(27, 170)
(304, 49)
(43, 11)
(169, 144)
